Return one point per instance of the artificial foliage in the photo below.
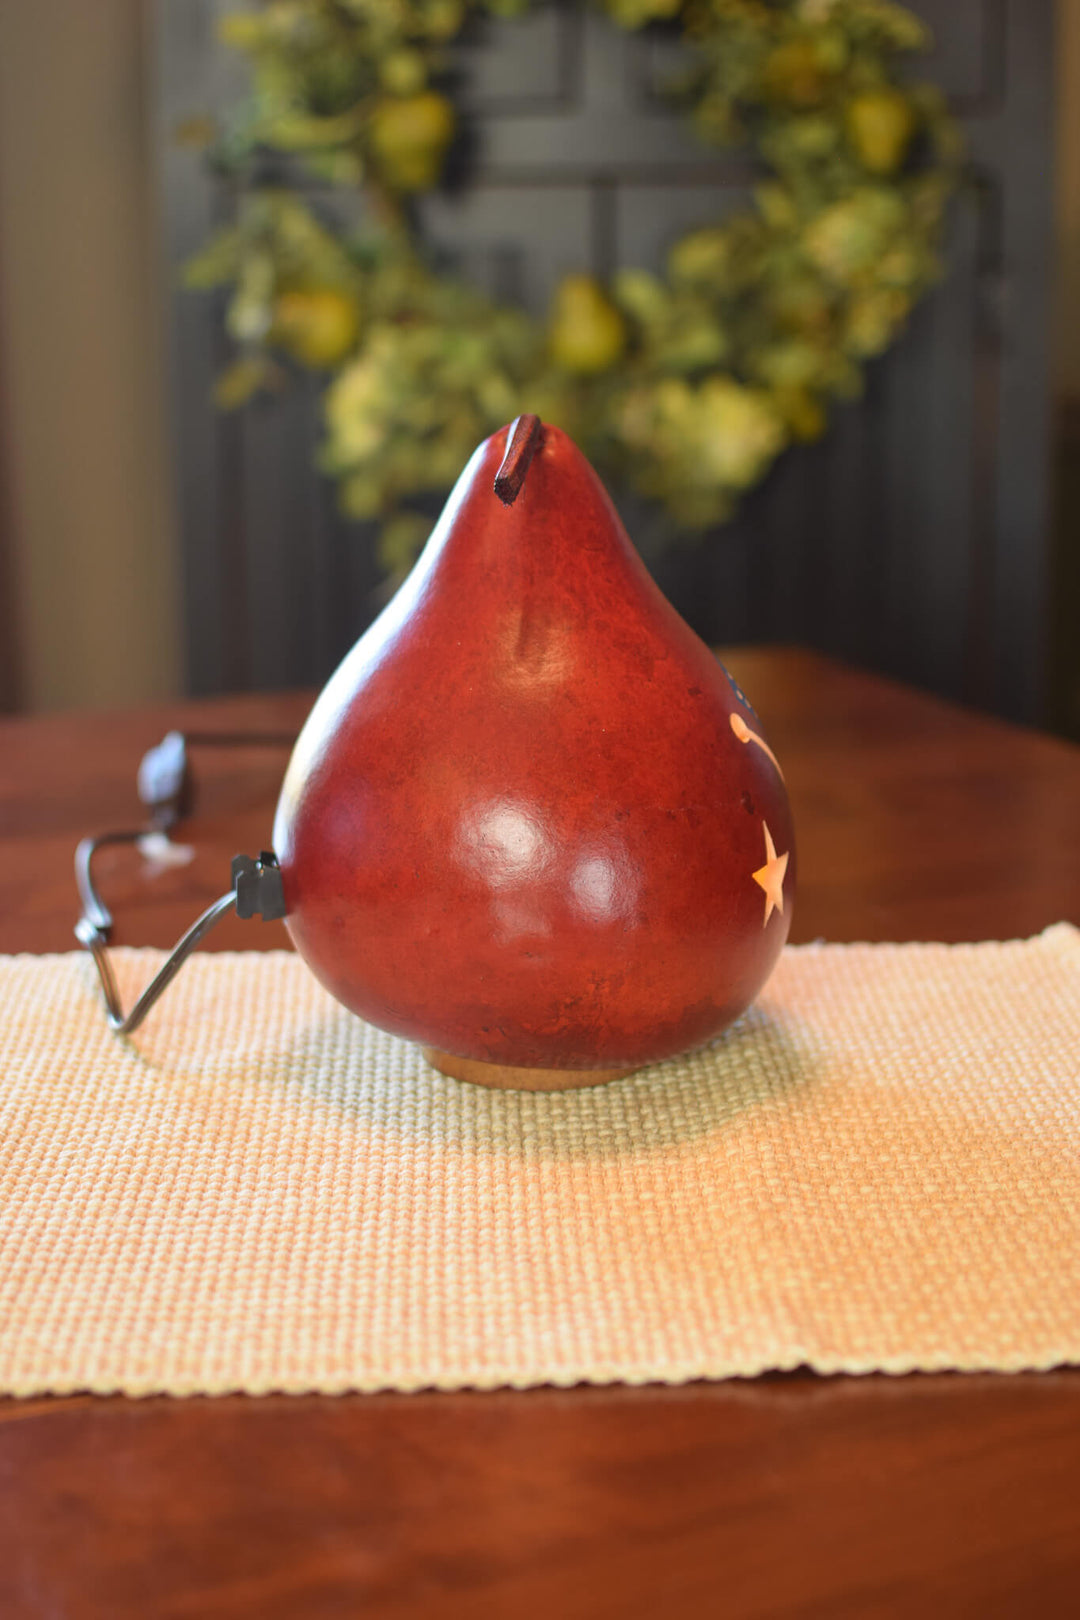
(686, 385)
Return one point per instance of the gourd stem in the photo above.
(522, 442)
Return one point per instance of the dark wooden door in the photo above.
(912, 539)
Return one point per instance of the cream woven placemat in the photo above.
(878, 1167)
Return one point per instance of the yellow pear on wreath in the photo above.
(316, 325)
(879, 125)
(586, 333)
(636, 13)
(409, 136)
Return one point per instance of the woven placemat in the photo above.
(877, 1168)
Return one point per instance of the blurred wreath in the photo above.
(687, 386)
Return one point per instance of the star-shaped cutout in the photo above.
(770, 877)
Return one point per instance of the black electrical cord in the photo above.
(165, 788)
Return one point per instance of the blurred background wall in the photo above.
(1064, 692)
(91, 610)
(1067, 199)
(90, 607)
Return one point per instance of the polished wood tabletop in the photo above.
(796, 1495)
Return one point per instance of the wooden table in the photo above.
(785, 1496)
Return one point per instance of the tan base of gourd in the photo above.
(505, 1077)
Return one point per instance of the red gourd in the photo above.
(530, 821)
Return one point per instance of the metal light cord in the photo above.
(256, 890)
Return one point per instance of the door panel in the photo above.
(913, 538)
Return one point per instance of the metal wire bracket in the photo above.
(256, 892)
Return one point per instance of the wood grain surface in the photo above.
(794, 1495)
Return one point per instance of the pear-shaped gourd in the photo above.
(530, 822)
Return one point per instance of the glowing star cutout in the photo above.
(745, 735)
(770, 877)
